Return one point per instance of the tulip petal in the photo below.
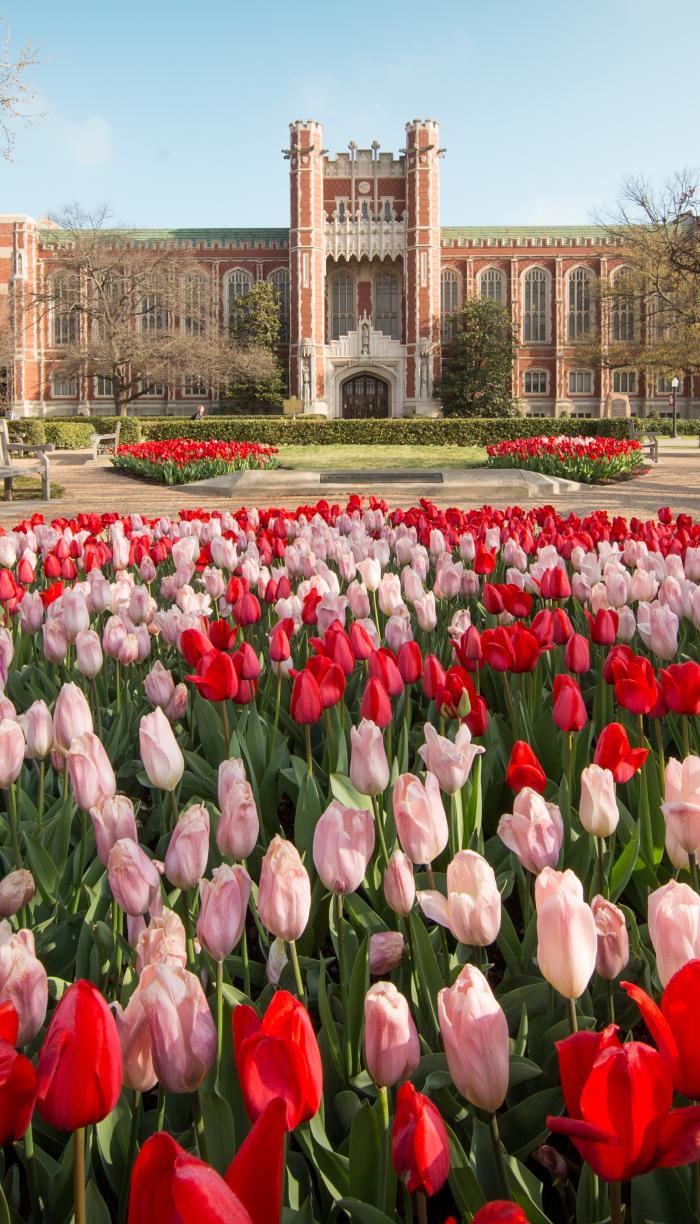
(261, 1149)
(657, 1024)
(576, 1128)
(434, 906)
(576, 1056)
(679, 1141)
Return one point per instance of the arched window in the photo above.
(449, 302)
(386, 313)
(194, 303)
(154, 317)
(622, 312)
(535, 285)
(491, 285)
(280, 283)
(342, 305)
(580, 300)
(239, 283)
(64, 308)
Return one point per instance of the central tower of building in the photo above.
(365, 274)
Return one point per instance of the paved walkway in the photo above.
(674, 481)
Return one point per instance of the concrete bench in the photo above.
(110, 440)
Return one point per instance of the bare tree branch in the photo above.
(15, 91)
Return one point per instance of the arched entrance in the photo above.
(364, 396)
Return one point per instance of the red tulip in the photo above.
(278, 1058)
(246, 662)
(500, 1211)
(330, 678)
(216, 676)
(382, 667)
(280, 638)
(170, 1185)
(568, 707)
(492, 595)
(497, 649)
(680, 684)
(478, 717)
(618, 1098)
(409, 661)
(376, 704)
(613, 752)
(637, 689)
(542, 627)
(674, 1025)
(193, 646)
(524, 769)
(420, 1149)
(603, 626)
(562, 629)
(8, 586)
(615, 662)
(305, 704)
(577, 654)
(338, 648)
(457, 696)
(433, 676)
(555, 584)
(80, 1062)
(468, 648)
(221, 635)
(246, 610)
(484, 560)
(361, 643)
(17, 1080)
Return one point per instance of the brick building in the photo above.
(366, 279)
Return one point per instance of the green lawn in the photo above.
(369, 458)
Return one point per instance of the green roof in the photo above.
(523, 231)
(251, 237)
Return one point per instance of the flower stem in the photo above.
(380, 827)
(342, 973)
(227, 729)
(615, 1198)
(421, 1207)
(81, 862)
(570, 764)
(295, 966)
(245, 963)
(11, 804)
(116, 932)
(34, 1196)
(79, 1175)
(602, 883)
(278, 698)
(174, 808)
(199, 1126)
(386, 1147)
(309, 757)
(131, 1153)
(329, 735)
(571, 1015)
(610, 1001)
(40, 796)
(187, 920)
(686, 735)
(219, 1012)
(160, 1110)
(693, 862)
(500, 1159)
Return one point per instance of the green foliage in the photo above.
(477, 364)
(257, 322)
(29, 430)
(664, 426)
(75, 433)
(410, 431)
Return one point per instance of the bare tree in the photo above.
(140, 318)
(653, 302)
(15, 92)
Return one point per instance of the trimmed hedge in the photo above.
(664, 426)
(409, 431)
(29, 430)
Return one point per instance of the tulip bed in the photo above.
(349, 867)
(589, 460)
(182, 460)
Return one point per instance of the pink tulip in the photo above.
(177, 706)
(23, 981)
(31, 613)
(12, 747)
(567, 941)
(284, 893)
(613, 941)
(681, 808)
(534, 830)
(37, 725)
(475, 1034)
(113, 635)
(160, 752)
(392, 1049)
(91, 774)
(399, 884)
(135, 1040)
(182, 1031)
(358, 601)
(54, 640)
(159, 685)
(223, 905)
(598, 810)
(369, 768)
(426, 613)
(450, 762)
(657, 626)
(188, 849)
(389, 594)
(71, 716)
(674, 927)
(421, 823)
(74, 613)
(472, 909)
(88, 653)
(16, 890)
(133, 877)
(386, 950)
(343, 844)
(163, 941)
(370, 572)
(277, 960)
(238, 827)
(111, 822)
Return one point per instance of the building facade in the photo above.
(366, 281)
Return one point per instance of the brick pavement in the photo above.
(674, 481)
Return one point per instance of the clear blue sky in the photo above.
(175, 112)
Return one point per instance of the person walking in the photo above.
(198, 413)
